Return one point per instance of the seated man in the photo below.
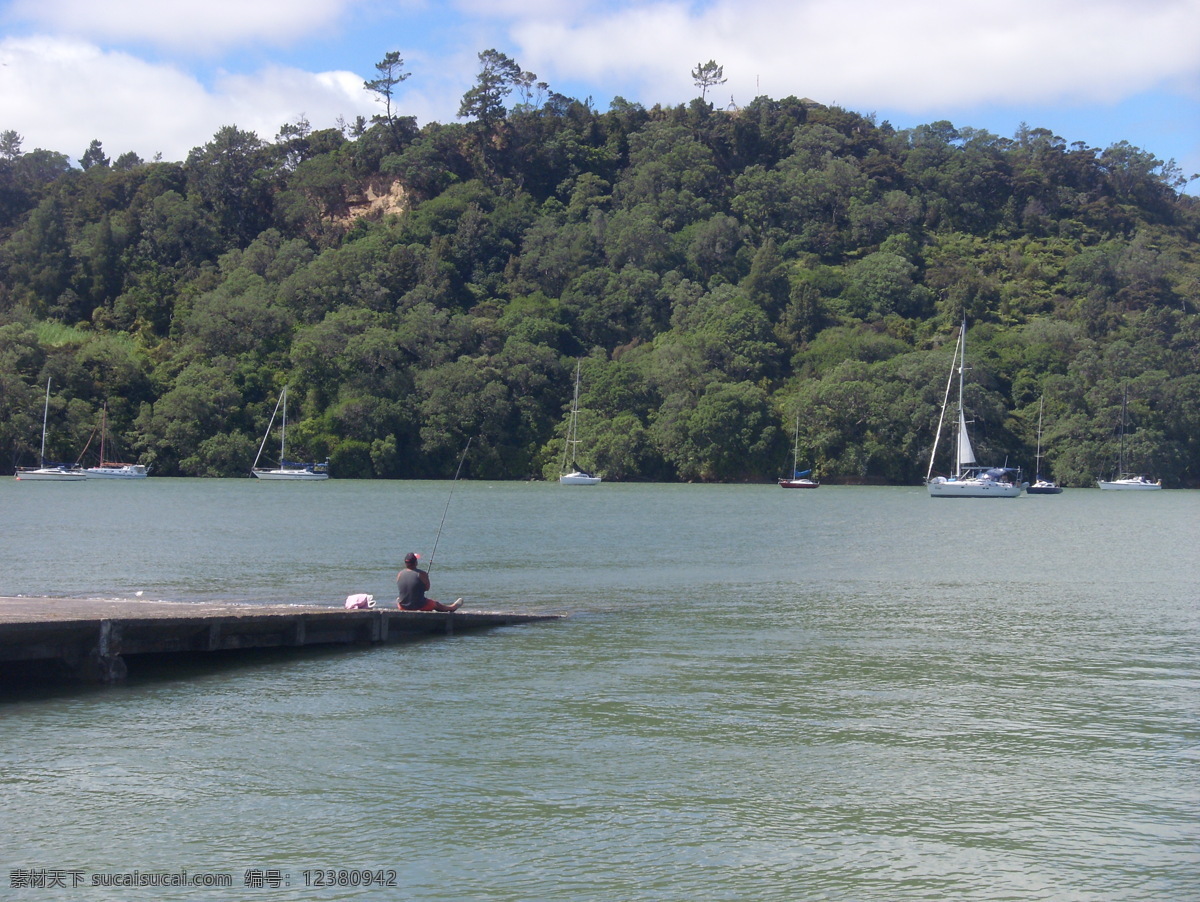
(411, 585)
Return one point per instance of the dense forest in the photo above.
(720, 273)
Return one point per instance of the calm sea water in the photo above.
(847, 694)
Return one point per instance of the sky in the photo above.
(160, 77)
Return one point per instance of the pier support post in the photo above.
(104, 664)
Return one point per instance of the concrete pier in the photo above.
(90, 639)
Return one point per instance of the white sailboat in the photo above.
(287, 470)
(108, 469)
(1123, 481)
(49, 472)
(970, 480)
(798, 479)
(575, 476)
(1041, 486)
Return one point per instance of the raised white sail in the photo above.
(966, 454)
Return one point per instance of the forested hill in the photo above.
(719, 272)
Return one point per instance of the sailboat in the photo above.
(575, 476)
(50, 472)
(1041, 486)
(1123, 481)
(109, 469)
(970, 480)
(798, 479)
(287, 469)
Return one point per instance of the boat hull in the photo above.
(973, 488)
(1129, 485)
(290, 475)
(578, 478)
(1044, 488)
(51, 474)
(125, 471)
(798, 484)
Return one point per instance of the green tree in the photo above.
(21, 356)
(238, 317)
(39, 264)
(728, 433)
(882, 283)
(127, 161)
(327, 181)
(99, 250)
(232, 175)
(94, 156)
(497, 77)
(708, 75)
(464, 398)
(391, 75)
(806, 314)
(767, 285)
(720, 334)
(177, 232)
(712, 247)
(40, 167)
(202, 403)
(10, 144)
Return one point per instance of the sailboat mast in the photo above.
(1121, 459)
(266, 435)
(796, 445)
(962, 365)
(103, 429)
(575, 413)
(283, 430)
(937, 436)
(571, 441)
(1037, 458)
(45, 419)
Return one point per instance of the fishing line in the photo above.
(429, 566)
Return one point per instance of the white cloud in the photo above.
(47, 95)
(926, 58)
(916, 55)
(188, 25)
(521, 9)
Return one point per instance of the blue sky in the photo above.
(161, 76)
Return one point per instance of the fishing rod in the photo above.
(429, 566)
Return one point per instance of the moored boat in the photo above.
(1041, 486)
(800, 479)
(111, 470)
(108, 469)
(287, 470)
(294, 471)
(1124, 481)
(969, 480)
(576, 475)
(1130, 484)
(49, 472)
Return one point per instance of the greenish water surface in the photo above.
(841, 694)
